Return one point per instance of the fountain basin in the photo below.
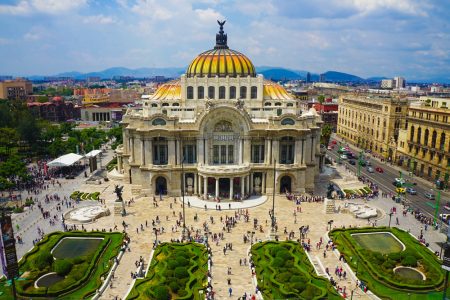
(47, 280)
(71, 247)
(383, 242)
(409, 273)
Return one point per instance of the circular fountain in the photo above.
(47, 280)
(86, 214)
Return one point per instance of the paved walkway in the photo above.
(253, 201)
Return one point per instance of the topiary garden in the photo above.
(81, 275)
(376, 270)
(177, 271)
(284, 271)
(84, 196)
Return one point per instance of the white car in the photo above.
(343, 156)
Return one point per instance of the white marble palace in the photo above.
(225, 128)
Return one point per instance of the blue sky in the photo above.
(410, 38)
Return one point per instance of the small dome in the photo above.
(221, 61)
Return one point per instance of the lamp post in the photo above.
(390, 217)
(329, 224)
(273, 197)
(183, 234)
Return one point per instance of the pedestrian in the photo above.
(230, 290)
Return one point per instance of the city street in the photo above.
(385, 181)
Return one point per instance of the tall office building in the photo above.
(400, 82)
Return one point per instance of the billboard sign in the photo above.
(8, 248)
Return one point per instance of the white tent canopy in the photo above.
(93, 153)
(65, 160)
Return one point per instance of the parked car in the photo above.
(333, 142)
(379, 169)
(411, 191)
(429, 195)
(343, 156)
(370, 169)
(352, 162)
(330, 147)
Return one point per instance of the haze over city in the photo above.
(362, 37)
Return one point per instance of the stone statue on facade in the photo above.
(240, 104)
(257, 187)
(209, 104)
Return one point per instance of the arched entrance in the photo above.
(285, 184)
(161, 186)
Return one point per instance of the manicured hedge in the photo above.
(376, 269)
(82, 274)
(84, 196)
(284, 271)
(177, 271)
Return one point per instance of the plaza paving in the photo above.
(143, 210)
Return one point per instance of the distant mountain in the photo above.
(280, 74)
(341, 77)
(121, 71)
(378, 78)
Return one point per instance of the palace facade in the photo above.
(225, 128)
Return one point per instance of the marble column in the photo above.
(231, 188)
(263, 183)
(199, 186)
(142, 152)
(242, 186)
(217, 187)
(171, 151)
(130, 143)
(251, 183)
(195, 183)
(149, 152)
(205, 187)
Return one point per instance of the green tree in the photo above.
(321, 99)
(8, 138)
(327, 130)
(13, 168)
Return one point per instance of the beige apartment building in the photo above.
(372, 121)
(424, 143)
(17, 89)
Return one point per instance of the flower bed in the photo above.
(177, 271)
(84, 196)
(377, 270)
(284, 271)
(81, 274)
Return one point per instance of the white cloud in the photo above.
(151, 8)
(404, 6)
(208, 15)
(4, 41)
(25, 7)
(99, 19)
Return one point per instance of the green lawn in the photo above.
(177, 270)
(376, 268)
(283, 271)
(382, 242)
(81, 273)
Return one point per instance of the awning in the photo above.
(65, 160)
(93, 153)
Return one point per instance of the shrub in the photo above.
(181, 272)
(172, 264)
(43, 260)
(278, 262)
(62, 267)
(161, 293)
(283, 277)
(310, 292)
(409, 261)
(284, 254)
(174, 286)
(18, 210)
(182, 262)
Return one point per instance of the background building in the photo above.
(424, 141)
(17, 89)
(372, 121)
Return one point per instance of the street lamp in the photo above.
(390, 217)
(329, 224)
(183, 235)
(273, 197)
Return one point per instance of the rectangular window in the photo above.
(230, 154)
(189, 154)
(216, 154)
(223, 154)
(258, 154)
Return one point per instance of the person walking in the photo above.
(230, 291)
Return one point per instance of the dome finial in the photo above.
(221, 37)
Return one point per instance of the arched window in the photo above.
(200, 92)
(411, 136)
(232, 92)
(278, 104)
(425, 138)
(419, 135)
(221, 92)
(159, 121)
(290, 104)
(211, 92)
(190, 92)
(267, 104)
(287, 121)
(176, 104)
(442, 144)
(433, 139)
(253, 92)
(243, 92)
(154, 105)
(165, 104)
